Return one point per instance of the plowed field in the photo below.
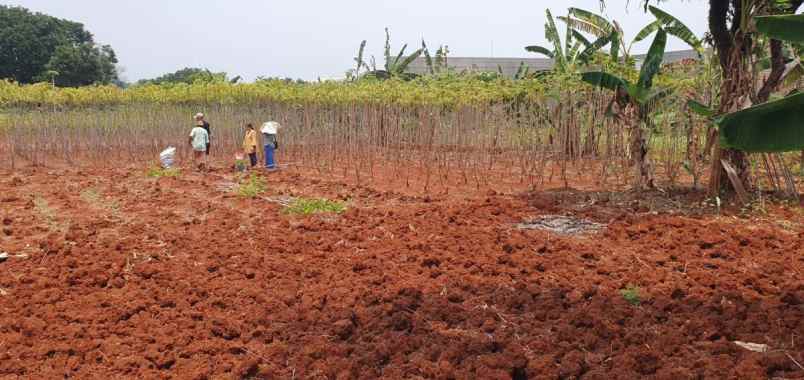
(112, 274)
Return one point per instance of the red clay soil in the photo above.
(115, 275)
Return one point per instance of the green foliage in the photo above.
(37, 47)
(675, 27)
(157, 172)
(604, 80)
(632, 295)
(445, 90)
(305, 206)
(81, 65)
(653, 61)
(567, 58)
(188, 76)
(396, 66)
(252, 187)
(782, 27)
(771, 127)
(700, 109)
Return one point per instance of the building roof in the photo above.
(510, 66)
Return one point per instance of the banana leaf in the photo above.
(604, 80)
(782, 27)
(770, 127)
(615, 45)
(675, 27)
(591, 49)
(404, 65)
(653, 61)
(591, 23)
(399, 58)
(647, 31)
(551, 33)
(580, 37)
(540, 50)
(428, 59)
(700, 109)
(794, 74)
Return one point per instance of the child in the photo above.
(199, 138)
(250, 144)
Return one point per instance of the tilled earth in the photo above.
(112, 274)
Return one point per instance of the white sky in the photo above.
(310, 39)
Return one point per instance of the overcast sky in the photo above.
(310, 39)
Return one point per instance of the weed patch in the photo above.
(157, 172)
(43, 208)
(304, 206)
(632, 295)
(252, 187)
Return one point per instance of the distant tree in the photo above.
(188, 75)
(37, 47)
(80, 65)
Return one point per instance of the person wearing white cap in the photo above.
(199, 121)
(269, 130)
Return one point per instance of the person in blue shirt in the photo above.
(269, 131)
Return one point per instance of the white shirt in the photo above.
(270, 127)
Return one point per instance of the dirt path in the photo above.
(125, 276)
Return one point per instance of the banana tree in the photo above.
(585, 21)
(637, 101)
(569, 55)
(776, 126)
(395, 65)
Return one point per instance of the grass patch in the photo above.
(43, 208)
(632, 295)
(305, 206)
(252, 187)
(157, 172)
(94, 199)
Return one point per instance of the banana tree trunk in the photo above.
(734, 90)
(643, 172)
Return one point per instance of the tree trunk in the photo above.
(643, 172)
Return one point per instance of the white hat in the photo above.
(270, 127)
(199, 115)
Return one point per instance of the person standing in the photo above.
(250, 144)
(199, 121)
(199, 140)
(269, 131)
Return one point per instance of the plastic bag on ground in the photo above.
(167, 157)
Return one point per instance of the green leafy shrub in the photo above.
(304, 206)
(252, 187)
